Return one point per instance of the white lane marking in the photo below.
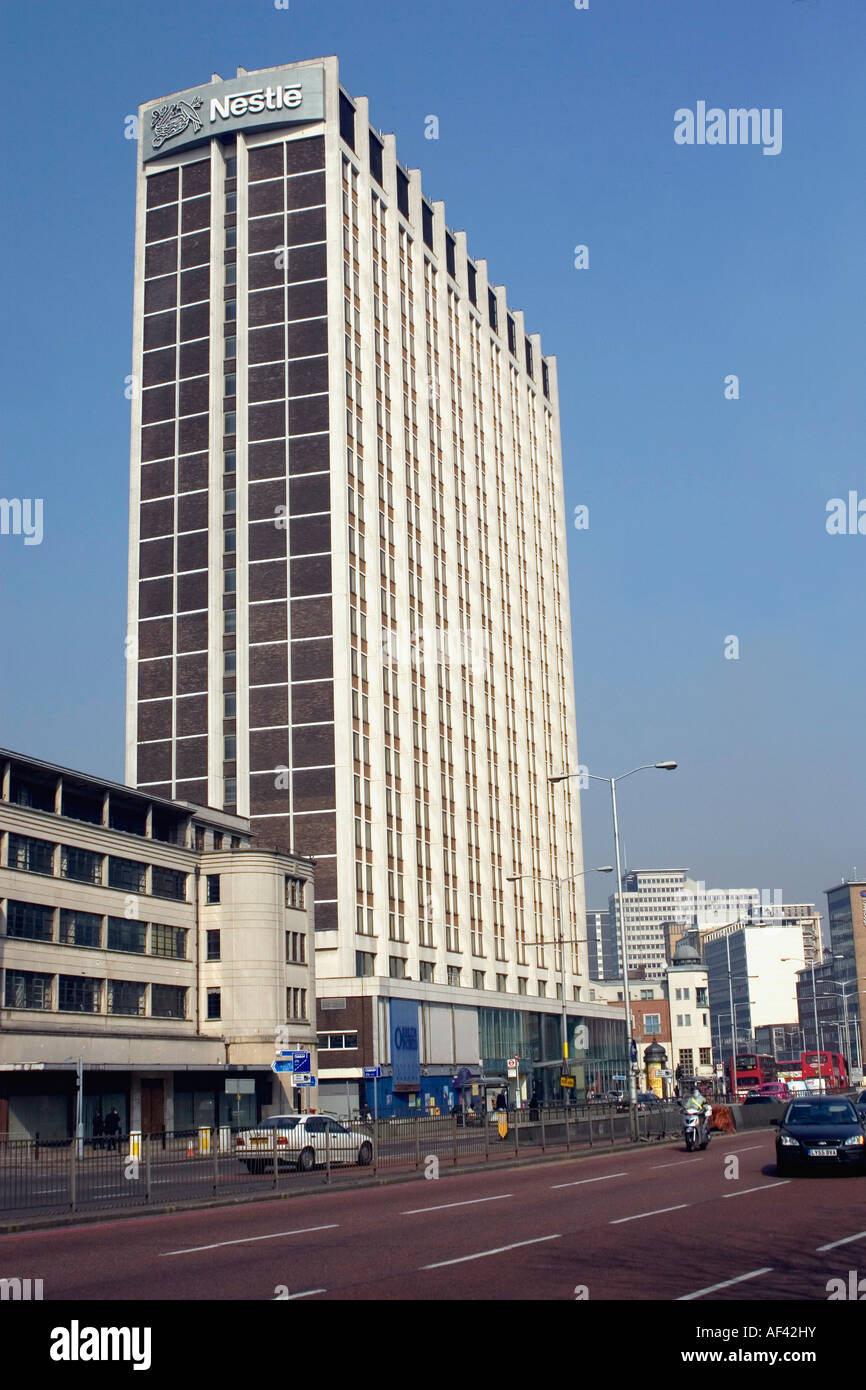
(726, 1284)
(620, 1219)
(306, 1294)
(765, 1187)
(500, 1249)
(247, 1240)
(445, 1205)
(581, 1181)
(745, 1150)
(846, 1241)
(680, 1162)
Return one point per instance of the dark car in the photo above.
(860, 1102)
(756, 1098)
(646, 1100)
(821, 1132)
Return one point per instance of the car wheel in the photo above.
(365, 1154)
(306, 1160)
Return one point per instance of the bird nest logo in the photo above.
(168, 121)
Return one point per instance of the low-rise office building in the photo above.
(153, 944)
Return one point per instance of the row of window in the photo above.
(28, 989)
(347, 131)
(365, 965)
(85, 866)
(69, 927)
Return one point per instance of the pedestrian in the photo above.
(534, 1104)
(98, 1128)
(502, 1101)
(112, 1128)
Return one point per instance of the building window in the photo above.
(337, 1042)
(127, 997)
(213, 945)
(512, 336)
(454, 974)
(80, 864)
(168, 941)
(701, 997)
(80, 928)
(124, 935)
(231, 790)
(295, 891)
(652, 1023)
(396, 967)
(501, 983)
(296, 1003)
(27, 990)
(296, 947)
(347, 121)
(230, 626)
(492, 312)
(687, 1060)
(212, 888)
(376, 150)
(128, 874)
(522, 984)
(30, 921)
(364, 963)
(426, 969)
(168, 883)
(646, 994)
(214, 1007)
(542, 989)
(34, 856)
(168, 1001)
(706, 1056)
(684, 1020)
(78, 995)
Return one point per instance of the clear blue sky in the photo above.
(707, 516)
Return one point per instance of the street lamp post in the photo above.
(558, 882)
(612, 781)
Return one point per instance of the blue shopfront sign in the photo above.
(405, 1053)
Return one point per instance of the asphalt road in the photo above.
(645, 1225)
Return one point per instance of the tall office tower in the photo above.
(348, 579)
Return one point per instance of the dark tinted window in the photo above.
(427, 224)
(491, 310)
(376, 159)
(512, 336)
(347, 120)
(402, 193)
(472, 278)
(449, 255)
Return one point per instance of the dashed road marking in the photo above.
(445, 1205)
(726, 1284)
(659, 1212)
(500, 1250)
(580, 1181)
(248, 1240)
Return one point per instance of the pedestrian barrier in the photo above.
(42, 1178)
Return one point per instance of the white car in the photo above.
(302, 1141)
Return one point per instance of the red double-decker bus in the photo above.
(830, 1066)
(752, 1070)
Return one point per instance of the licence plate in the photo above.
(823, 1153)
(264, 1141)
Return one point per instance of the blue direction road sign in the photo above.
(301, 1061)
(282, 1064)
(372, 1073)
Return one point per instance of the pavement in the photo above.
(647, 1224)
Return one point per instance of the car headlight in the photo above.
(855, 1139)
(789, 1141)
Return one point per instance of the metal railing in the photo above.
(137, 1170)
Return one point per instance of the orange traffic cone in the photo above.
(190, 1149)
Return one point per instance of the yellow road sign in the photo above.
(566, 1081)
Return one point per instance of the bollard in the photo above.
(135, 1143)
(203, 1139)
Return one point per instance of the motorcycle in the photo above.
(696, 1130)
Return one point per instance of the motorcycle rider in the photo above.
(696, 1103)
